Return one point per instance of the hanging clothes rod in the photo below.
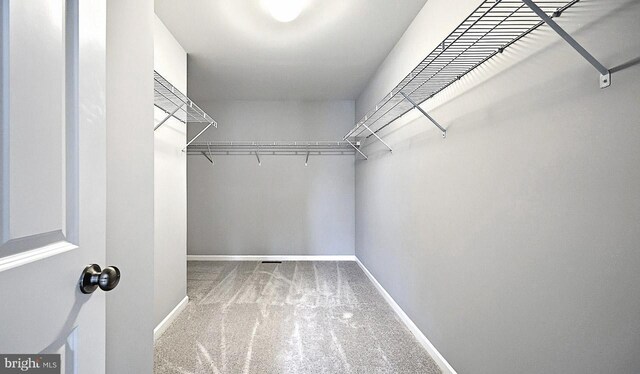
(258, 149)
(272, 148)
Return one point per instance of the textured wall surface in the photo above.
(236, 207)
(513, 244)
(170, 176)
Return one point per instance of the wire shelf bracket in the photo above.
(416, 106)
(489, 30)
(377, 137)
(167, 117)
(605, 74)
(208, 157)
(177, 105)
(356, 148)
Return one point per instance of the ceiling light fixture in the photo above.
(284, 10)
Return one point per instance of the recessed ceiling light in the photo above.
(284, 10)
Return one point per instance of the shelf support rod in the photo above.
(377, 137)
(415, 105)
(306, 161)
(196, 137)
(258, 157)
(605, 74)
(356, 148)
(167, 118)
(210, 153)
(208, 158)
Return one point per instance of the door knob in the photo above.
(93, 277)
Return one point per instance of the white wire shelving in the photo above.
(489, 30)
(177, 105)
(273, 148)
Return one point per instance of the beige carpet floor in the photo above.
(292, 317)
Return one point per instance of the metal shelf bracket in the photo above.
(210, 156)
(605, 74)
(377, 137)
(165, 119)
(207, 157)
(258, 157)
(415, 105)
(200, 133)
(357, 149)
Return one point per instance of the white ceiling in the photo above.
(237, 51)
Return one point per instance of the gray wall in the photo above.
(513, 244)
(282, 207)
(130, 185)
(170, 186)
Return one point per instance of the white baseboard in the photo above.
(433, 352)
(269, 258)
(168, 320)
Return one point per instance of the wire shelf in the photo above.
(275, 148)
(177, 105)
(173, 102)
(492, 27)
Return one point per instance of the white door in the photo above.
(52, 186)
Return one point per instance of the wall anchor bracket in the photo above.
(416, 106)
(605, 74)
(605, 80)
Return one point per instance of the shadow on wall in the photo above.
(626, 65)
